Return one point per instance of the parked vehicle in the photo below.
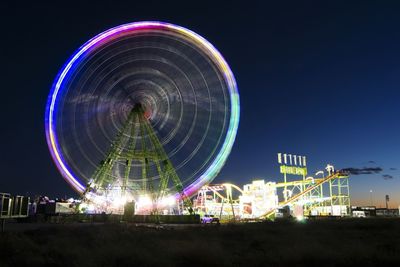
(359, 214)
(209, 219)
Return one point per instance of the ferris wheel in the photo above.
(145, 109)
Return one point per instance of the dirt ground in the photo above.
(344, 242)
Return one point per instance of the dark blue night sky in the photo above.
(315, 78)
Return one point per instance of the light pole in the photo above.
(387, 200)
(370, 195)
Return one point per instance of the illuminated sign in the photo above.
(293, 170)
(292, 164)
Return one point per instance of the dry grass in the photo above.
(364, 242)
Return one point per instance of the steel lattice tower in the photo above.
(138, 142)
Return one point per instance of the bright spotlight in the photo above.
(300, 218)
(119, 201)
(168, 201)
(144, 201)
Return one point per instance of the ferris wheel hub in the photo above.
(140, 108)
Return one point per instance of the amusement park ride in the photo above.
(325, 196)
(146, 113)
(143, 113)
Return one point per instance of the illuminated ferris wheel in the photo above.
(145, 109)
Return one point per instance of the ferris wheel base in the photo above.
(105, 194)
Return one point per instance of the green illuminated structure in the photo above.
(339, 193)
(137, 144)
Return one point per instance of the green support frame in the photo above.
(339, 190)
(126, 148)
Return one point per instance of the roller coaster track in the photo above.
(218, 187)
(306, 191)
